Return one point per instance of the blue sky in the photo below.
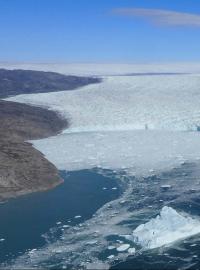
(98, 31)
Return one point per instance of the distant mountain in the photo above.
(15, 82)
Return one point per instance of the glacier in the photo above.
(139, 123)
(127, 103)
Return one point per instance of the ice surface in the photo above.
(165, 229)
(121, 105)
(136, 150)
(127, 103)
(108, 123)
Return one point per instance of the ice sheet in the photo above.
(105, 68)
(135, 123)
(128, 103)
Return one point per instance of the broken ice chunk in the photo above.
(58, 223)
(111, 247)
(110, 257)
(77, 217)
(165, 187)
(123, 247)
(166, 228)
(131, 250)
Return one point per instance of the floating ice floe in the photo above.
(111, 256)
(166, 228)
(32, 251)
(77, 217)
(131, 250)
(111, 247)
(66, 226)
(123, 247)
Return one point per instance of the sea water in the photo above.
(108, 237)
(26, 220)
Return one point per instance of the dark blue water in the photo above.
(24, 220)
(184, 196)
(83, 193)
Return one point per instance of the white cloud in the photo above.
(161, 17)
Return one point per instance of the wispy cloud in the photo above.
(161, 17)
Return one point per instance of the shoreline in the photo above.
(23, 168)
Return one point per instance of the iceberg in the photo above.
(166, 228)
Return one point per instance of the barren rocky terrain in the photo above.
(23, 169)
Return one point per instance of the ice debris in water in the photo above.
(58, 223)
(166, 228)
(77, 217)
(66, 226)
(111, 247)
(123, 247)
(111, 257)
(131, 250)
(166, 187)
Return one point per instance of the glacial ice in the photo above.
(127, 103)
(136, 150)
(108, 120)
(166, 228)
